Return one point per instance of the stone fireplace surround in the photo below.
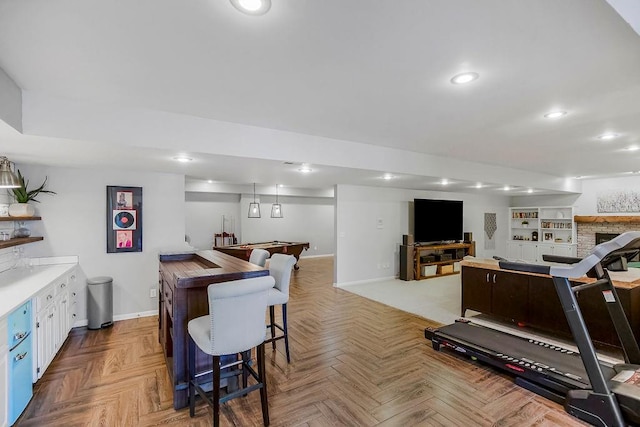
(588, 226)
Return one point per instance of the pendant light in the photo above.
(276, 208)
(8, 179)
(254, 207)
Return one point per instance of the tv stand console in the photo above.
(440, 260)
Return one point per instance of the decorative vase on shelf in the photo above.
(21, 209)
(21, 230)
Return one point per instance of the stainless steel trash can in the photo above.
(100, 302)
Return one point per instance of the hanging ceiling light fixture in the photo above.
(254, 207)
(8, 179)
(276, 208)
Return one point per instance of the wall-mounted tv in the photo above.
(437, 220)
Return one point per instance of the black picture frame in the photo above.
(124, 219)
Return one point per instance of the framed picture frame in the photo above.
(547, 236)
(124, 219)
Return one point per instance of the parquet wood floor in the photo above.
(355, 362)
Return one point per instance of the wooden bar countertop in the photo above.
(620, 279)
(201, 268)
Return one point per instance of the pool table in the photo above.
(244, 250)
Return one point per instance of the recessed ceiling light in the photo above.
(479, 185)
(182, 159)
(633, 148)
(460, 79)
(530, 190)
(387, 176)
(444, 181)
(555, 114)
(210, 181)
(607, 136)
(252, 7)
(304, 169)
(506, 188)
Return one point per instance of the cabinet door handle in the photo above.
(19, 357)
(63, 285)
(19, 335)
(488, 277)
(49, 297)
(494, 277)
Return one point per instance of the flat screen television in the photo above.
(437, 220)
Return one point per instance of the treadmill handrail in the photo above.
(560, 259)
(629, 240)
(626, 241)
(523, 266)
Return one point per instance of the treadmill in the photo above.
(590, 390)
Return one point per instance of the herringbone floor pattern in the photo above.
(354, 362)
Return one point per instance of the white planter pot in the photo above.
(21, 210)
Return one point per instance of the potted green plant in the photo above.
(23, 196)
(525, 223)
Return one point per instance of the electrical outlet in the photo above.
(153, 293)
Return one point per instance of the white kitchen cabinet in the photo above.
(556, 249)
(46, 333)
(4, 386)
(62, 307)
(525, 251)
(37, 285)
(54, 319)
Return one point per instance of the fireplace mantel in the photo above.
(603, 219)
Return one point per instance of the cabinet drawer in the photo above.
(61, 286)
(45, 298)
(168, 298)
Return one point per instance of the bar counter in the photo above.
(183, 281)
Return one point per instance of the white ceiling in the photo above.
(369, 72)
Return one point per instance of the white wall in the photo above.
(10, 104)
(74, 223)
(366, 252)
(552, 200)
(586, 202)
(305, 219)
(204, 213)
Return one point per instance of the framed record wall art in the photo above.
(124, 219)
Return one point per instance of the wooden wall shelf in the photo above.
(20, 218)
(19, 241)
(606, 219)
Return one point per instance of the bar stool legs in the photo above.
(216, 398)
(273, 325)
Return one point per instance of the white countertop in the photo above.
(19, 285)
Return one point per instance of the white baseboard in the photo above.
(135, 315)
(361, 282)
(119, 317)
(316, 256)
